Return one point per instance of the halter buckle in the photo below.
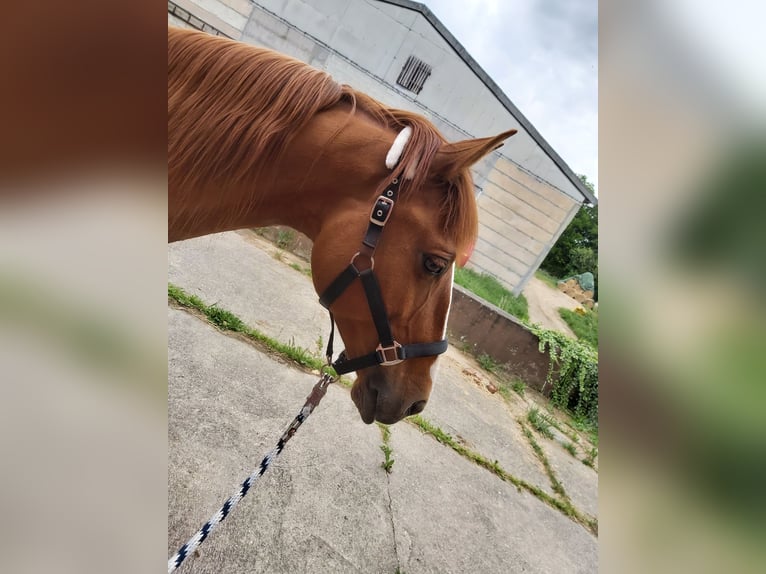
(381, 211)
(385, 352)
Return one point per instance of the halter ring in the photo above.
(372, 262)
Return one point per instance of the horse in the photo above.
(256, 138)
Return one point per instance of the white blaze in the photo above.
(435, 367)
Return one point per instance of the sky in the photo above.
(544, 55)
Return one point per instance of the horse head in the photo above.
(430, 230)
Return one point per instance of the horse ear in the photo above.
(452, 158)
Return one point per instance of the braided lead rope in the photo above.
(312, 401)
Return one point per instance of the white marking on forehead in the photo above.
(393, 155)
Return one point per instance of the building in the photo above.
(398, 52)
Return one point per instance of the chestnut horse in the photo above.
(256, 138)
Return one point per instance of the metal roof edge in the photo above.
(497, 92)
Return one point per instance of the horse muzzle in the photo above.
(375, 400)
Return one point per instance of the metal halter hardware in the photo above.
(389, 351)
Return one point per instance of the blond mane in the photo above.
(261, 100)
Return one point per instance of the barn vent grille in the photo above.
(192, 20)
(414, 74)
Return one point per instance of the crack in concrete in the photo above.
(393, 523)
(385, 432)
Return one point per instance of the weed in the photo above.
(279, 255)
(571, 448)
(540, 422)
(225, 319)
(590, 458)
(487, 363)
(384, 431)
(298, 354)
(305, 270)
(582, 424)
(284, 238)
(552, 421)
(319, 350)
(388, 462)
(518, 387)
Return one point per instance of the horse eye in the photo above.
(434, 265)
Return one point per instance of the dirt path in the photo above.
(544, 303)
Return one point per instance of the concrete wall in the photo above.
(525, 200)
(490, 330)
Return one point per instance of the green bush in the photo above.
(573, 372)
(490, 289)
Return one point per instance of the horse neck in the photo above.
(335, 167)
(322, 168)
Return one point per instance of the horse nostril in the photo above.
(415, 408)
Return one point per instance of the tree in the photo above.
(576, 251)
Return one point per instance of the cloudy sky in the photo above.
(544, 55)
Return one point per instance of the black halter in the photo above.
(389, 351)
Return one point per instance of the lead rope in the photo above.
(312, 401)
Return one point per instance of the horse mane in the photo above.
(262, 99)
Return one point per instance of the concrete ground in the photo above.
(326, 505)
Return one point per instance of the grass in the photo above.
(562, 504)
(227, 321)
(590, 458)
(548, 421)
(571, 448)
(490, 289)
(558, 488)
(504, 391)
(547, 278)
(518, 387)
(584, 325)
(582, 424)
(284, 238)
(305, 270)
(487, 363)
(540, 422)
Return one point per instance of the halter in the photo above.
(389, 351)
